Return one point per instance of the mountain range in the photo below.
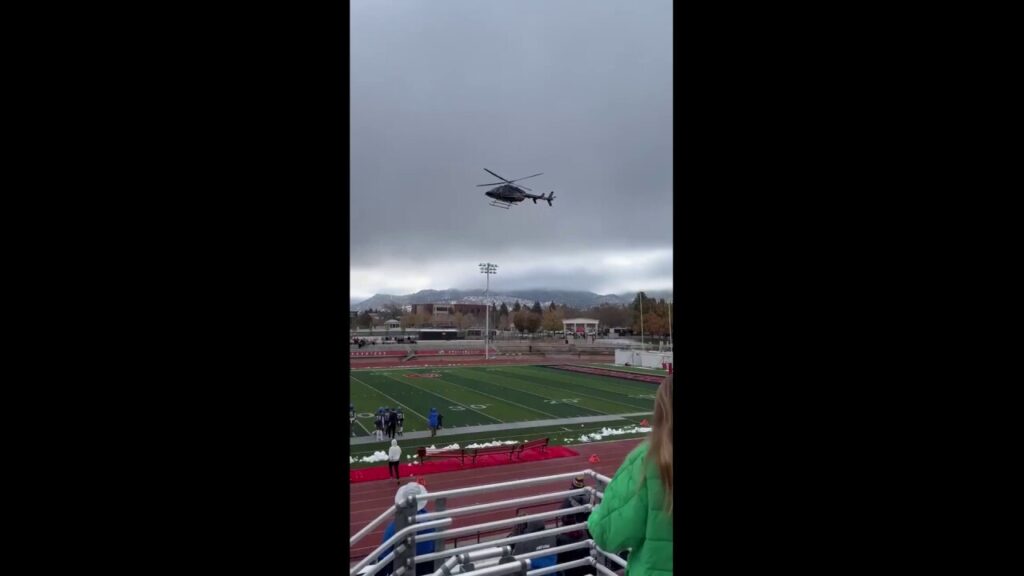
(574, 298)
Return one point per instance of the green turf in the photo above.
(471, 396)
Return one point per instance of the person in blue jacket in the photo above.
(422, 568)
(432, 421)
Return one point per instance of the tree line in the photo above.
(531, 319)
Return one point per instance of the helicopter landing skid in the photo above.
(505, 205)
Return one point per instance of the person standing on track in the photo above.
(432, 421)
(352, 419)
(394, 457)
(378, 423)
(636, 511)
(401, 420)
(440, 421)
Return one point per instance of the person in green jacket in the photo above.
(636, 511)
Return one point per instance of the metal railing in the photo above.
(404, 559)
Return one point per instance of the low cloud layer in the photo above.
(601, 271)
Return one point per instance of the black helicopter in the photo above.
(509, 193)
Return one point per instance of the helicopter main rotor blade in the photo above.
(495, 184)
(525, 177)
(496, 176)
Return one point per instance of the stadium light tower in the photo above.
(487, 268)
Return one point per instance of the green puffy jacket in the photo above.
(632, 515)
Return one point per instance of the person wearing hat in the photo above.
(574, 501)
(394, 457)
(423, 568)
(576, 535)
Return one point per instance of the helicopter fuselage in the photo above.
(507, 193)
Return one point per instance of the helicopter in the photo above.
(509, 193)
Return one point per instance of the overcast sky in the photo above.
(580, 90)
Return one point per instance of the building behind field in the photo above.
(587, 326)
(443, 315)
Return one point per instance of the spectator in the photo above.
(542, 542)
(394, 457)
(576, 535)
(574, 501)
(422, 568)
(636, 511)
(432, 421)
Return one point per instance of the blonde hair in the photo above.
(659, 454)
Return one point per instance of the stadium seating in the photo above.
(495, 556)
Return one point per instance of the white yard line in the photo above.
(392, 399)
(365, 429)
(588, 396)
(509, 401)
(443, 396)
(515, 387)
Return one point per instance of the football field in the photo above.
(503, 398)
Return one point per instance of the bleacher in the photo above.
(494, 556)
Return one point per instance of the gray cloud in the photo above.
(579, 90)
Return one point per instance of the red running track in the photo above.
(368, 499)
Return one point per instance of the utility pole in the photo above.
(642, 346)
(487, 268)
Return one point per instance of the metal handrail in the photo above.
(467, 557)
(588, 561)
(507, 568)
(420, 522)
(555, 550)
(614, 557)
(423, 498)
(502, 523)
(498, 505)
(399, 535)
(390, 512)
(499, 542)
(604, 569)
(381, 564)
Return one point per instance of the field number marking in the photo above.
(472, 406)
(647, 396)
(563, 401)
